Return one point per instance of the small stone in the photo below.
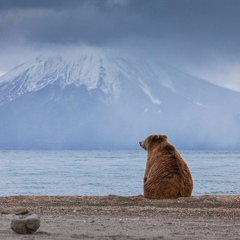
(15, 210)
(25, 224)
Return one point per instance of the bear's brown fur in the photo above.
(167, 176)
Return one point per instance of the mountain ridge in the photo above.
(90, 101)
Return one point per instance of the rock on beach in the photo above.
(18, 210)
(25, 224)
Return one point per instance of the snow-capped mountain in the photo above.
(99, 101)
(93, 72)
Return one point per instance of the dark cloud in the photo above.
(91, 22)
(186, 30)
(7, 5)
(206, 23)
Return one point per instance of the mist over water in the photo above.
(108, 172)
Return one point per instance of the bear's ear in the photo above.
(156, 137)
(159, 138)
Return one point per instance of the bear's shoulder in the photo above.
(169, 148)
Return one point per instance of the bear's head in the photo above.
(152, 141)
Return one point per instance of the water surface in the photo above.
(108, 172)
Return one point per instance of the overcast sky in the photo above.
(199, 36)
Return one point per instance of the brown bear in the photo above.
(167, 176)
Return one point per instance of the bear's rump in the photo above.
(168, 186)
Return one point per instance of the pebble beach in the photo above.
(120, 217)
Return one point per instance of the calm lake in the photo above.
(108, 172)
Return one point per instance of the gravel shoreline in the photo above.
(133, 217)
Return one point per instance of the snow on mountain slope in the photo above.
(95, 101)
(92, 71)
(33, 76)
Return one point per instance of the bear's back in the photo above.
(168, 173)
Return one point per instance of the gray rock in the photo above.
(25, 224)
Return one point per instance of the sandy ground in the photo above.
(116, 217)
